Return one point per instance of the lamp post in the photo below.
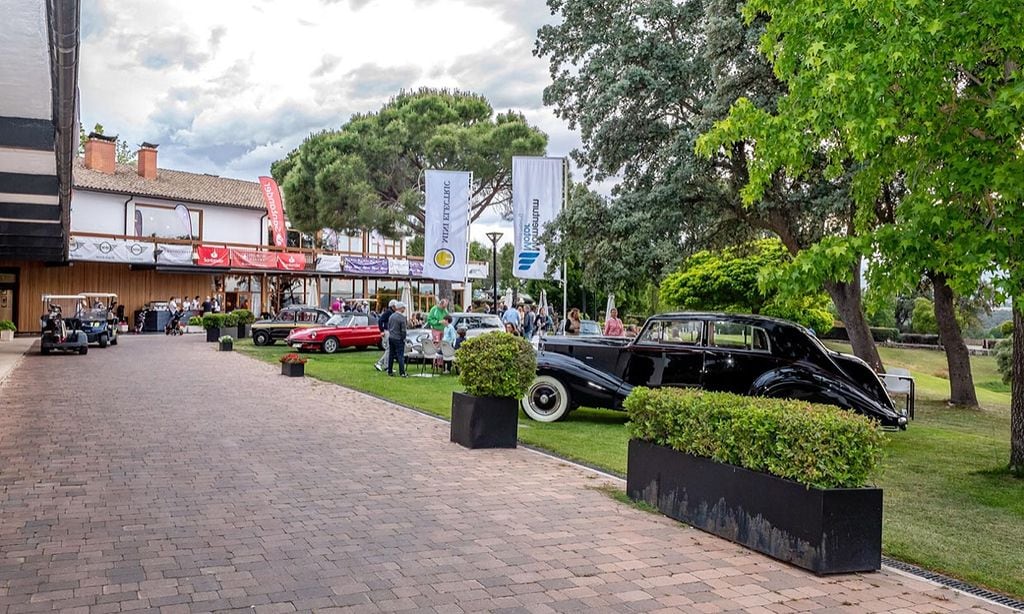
(494, 237)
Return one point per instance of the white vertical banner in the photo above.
(446, 225)
(538, 190)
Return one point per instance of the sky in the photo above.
(229, 86)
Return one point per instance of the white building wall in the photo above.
(104, 213)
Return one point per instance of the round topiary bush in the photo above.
(496, 365)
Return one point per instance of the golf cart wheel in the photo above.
(330, 345)
(103, 341)
(84, 350)
(261, 337)
(546, 400)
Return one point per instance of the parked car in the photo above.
(744, 354)
(267, 331)
(475, 324)
(357, 330)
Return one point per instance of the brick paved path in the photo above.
(165, 475)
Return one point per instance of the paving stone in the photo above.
(164, 476)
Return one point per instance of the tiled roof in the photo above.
(172, 185)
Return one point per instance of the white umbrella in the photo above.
(609, 306)
(508, 298)
(407, 297)
(543, 307)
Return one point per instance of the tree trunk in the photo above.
(444, 290)
(1017, 393)
(847, 299)
(961, 381)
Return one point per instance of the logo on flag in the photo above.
(444, 258)
(526, 260)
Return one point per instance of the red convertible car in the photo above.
(357, 330)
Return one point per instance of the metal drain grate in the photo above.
(938, 578)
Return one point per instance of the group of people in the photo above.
(339, 305)
(210, 305)
(394, 328)
(526, 320)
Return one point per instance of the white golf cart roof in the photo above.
(60, 297)
(99, 294)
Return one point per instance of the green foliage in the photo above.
(123, 152)
(496, 365)
(1005, 329)
(214, 320)
(922, 320)
(7, 325)
(195, 321)
(244, 316)
(367, 173)
(226, 339)
(816, 445)
(1004, 359)
(230, 319)
(742, 279)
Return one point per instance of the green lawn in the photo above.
(949, 506)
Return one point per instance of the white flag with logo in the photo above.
(538, 188)
(446, 225)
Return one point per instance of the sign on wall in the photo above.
(212, 256)
(96, 249)
(173, 254)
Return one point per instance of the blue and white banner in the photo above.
(538, 191)
(446, 225)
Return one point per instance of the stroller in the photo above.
(174, 327)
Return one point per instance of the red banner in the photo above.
(291, 262)
(253, 259)
(275, 210)
(212, 256)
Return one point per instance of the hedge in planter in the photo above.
(245, 319)
(783, 477)
(213, 323)
(496, 369)
(7, 329)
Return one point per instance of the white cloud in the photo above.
(229, 87)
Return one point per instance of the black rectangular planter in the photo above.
(243, 331)
(226, 346)
(837, 530)
(213, 335)
(293, 369)
(484, 422)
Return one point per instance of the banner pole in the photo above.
(565, 263)
(467, 301)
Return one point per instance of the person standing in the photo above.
(397, 329)
(336, 305)
(207, 306)
(382, 324)
(613, 327)
(511, 316)
(572, 322)
(449, 336)
(435, 319)
(529, 322)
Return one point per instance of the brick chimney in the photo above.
(147, 160)
(99, 153)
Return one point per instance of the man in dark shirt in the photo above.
(382, 324)
(397, 329)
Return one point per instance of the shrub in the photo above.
(816, 445)
(7, 325)
(882, 334)
(1003, 329)
(195, 321)
(496, 365)
(919, 339)
(230, 319)
(293, 359)
(226, 339)
(213, 320)
(1004, 359)
(244, 316)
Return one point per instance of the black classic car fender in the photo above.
(811, 384)
(585, 384)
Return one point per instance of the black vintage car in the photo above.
(744, 354)
(266, 332)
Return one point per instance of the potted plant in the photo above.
(245, 319)
(7, 329)
(195, 325)
(213, 323)
(496, 369)
(226, 343)
(786, 478)
(293, 365)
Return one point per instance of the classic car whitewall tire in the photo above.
(546, 400)
(330, 345)
(261, 337)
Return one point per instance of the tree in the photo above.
(367, 174)
(738, 279)
(641, 81)
(927, 95)
(922, 320)
(123, 153)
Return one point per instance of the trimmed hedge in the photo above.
(496, 365)
(244, 316)
(880, 334)
(919, 339)
(230, 319)
(214, 320)
(816, 445)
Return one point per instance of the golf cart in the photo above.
(98, 319)
(60, 332)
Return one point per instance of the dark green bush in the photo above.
(496, 365)
(1004, 359)
(919, 339)
(816, 445)
(195, 321)
(882, 334)
(7, 325)
(244, 316)
(230, 319)
(213, 320)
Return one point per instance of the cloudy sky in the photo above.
(228, 86)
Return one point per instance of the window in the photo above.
(733, 335)
(287, 316)
(676, 332)
(166, 223)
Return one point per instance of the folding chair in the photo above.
(429, 354)
(448, 354)
(899, 382)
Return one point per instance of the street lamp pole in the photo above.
(494, 237)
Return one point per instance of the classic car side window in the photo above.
(674, 332)
(321, 318)
(287, 316)
(736, 336)
(360, 321)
